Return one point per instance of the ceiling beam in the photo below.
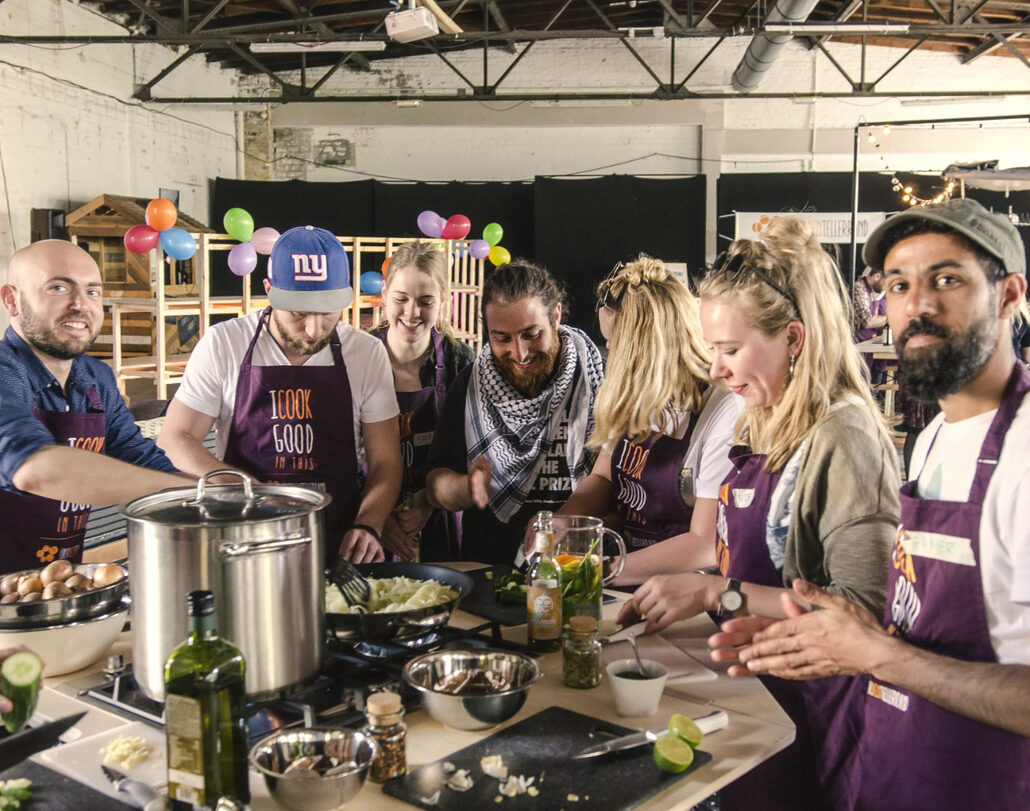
(143, 91)
(209, 16)
(163, 22)
(501, 23)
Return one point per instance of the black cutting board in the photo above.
(542, 746)
(483, 603)
(55, 792)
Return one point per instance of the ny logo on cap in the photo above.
(310, 267)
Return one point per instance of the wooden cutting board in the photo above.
(541, 746)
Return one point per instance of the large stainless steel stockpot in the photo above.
(259, 548)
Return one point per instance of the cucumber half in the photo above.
(20, 675)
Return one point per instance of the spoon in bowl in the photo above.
(632, 639)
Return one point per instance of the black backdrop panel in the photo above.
(831, 191)
(397, 206)
(584, 227)
(346, 209)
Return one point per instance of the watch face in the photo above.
(731, 601)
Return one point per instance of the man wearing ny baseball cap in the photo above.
(942, 698)
(297, 396)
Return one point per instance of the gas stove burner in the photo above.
(373, 650)
(423, 641)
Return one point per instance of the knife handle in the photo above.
(712, 722)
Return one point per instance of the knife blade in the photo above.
(140, 792)
(708, 724)
(15, 748)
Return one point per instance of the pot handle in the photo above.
(248, 489)
(233, 549)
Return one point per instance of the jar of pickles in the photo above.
(581, 654)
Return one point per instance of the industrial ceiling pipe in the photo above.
(765, 48)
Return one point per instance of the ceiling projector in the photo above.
(411, 24)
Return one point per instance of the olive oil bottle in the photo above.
(543, 590)
(205, 714)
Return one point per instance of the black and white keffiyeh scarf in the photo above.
(510, 430)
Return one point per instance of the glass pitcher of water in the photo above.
(579, 543)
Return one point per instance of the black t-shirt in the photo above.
(484, 537)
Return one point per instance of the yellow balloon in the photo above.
(499, 255)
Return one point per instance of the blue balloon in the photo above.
(177, 243)
(371, 283)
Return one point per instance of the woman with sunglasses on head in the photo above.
(813, 490)
(664, 431)
(425, 358)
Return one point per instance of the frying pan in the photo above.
(400, 624)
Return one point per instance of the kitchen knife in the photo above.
(140, 792)
(707, 723)
(15, 748)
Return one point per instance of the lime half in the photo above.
(685, 729)
(672, 755)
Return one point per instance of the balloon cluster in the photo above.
(161, 217)
(240, 226)
(458, 226)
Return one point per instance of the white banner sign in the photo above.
(828, 226)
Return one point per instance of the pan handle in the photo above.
(234, 549)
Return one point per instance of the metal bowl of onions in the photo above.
(60, 593)
(314, 769)
(472, 689)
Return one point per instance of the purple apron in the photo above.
(641, 474)
(800, 776)
(38, 530)
(295, 425)
(420, 410)
(914, 753)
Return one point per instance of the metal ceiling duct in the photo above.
(765, 48)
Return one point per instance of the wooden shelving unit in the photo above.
(365, 253)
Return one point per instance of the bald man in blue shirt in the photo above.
(67, 441)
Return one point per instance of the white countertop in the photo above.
(757, 729)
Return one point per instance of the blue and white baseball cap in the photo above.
(309, 272)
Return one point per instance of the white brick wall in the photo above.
(65, 137)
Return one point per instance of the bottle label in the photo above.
(544, 602)
(183, 729)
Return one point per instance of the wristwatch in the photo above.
(732, 600)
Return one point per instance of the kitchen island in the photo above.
(757, 728)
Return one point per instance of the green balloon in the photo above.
(238, 224)
(493, 233)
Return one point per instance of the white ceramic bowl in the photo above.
(69, 647)
(637, 696)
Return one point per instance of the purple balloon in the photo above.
(431, 224)
(242, 259)
(479, 248)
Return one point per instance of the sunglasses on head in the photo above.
(736, 267)
(607, 297)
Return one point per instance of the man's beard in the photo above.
(932, 372)
(531, 384)
(299, 346)
(45, 339)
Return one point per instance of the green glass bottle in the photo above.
(205, 714)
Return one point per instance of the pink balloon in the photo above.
(430, 223)
(242, 259)
(141, 238)
(479, 249)
(456, 227)
(263, 239)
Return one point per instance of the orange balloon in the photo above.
(161, 214)
(385, 265)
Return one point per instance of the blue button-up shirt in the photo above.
(25, 383)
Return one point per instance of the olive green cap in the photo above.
(991, 231)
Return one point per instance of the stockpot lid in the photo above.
(219, 504)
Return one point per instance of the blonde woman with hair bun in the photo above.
(813, 492)
(424, 358)
(664, 431)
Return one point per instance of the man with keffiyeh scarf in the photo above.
(511, 440)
